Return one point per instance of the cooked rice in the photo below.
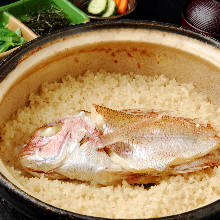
(172, 195)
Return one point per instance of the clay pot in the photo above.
(117, 46)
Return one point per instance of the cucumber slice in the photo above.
(111, 9)
(97, 7)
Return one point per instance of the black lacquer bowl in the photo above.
(187, 56)
(203, 16)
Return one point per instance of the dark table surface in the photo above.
(168, 11)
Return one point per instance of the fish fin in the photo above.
(97, 118)
(142, 179)
(101, 115)
(143, 111)
(209, 160)
(49, 174)
(123, 163)
(124, 133)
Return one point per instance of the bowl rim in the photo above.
(127, 23)
(9, 62)
(187, 24)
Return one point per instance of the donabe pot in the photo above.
(117, 46)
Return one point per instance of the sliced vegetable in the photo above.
(122, 6)
(118, 2)
(10, 39)
(97, 7)
(111, 9)
(107, 8)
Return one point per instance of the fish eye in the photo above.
(49, 131)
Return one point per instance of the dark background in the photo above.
(168, 11)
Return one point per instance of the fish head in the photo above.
(52, 143)
(42, 151)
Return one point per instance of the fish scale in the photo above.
(168, 141)
(132, 145)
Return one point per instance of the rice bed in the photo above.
(172, 195)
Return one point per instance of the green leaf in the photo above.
(4, 47)
(10, 39)
(18, 32)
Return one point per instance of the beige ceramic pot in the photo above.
(116, 46)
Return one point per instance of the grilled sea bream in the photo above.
(112, 146)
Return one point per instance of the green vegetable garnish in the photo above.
(43, 22)
(10, 39)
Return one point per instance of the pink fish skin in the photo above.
(74, 148)
(169, 141)
(50, 143)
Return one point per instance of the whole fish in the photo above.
(112, 146)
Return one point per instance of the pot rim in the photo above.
(98, 25)
(11, 60)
